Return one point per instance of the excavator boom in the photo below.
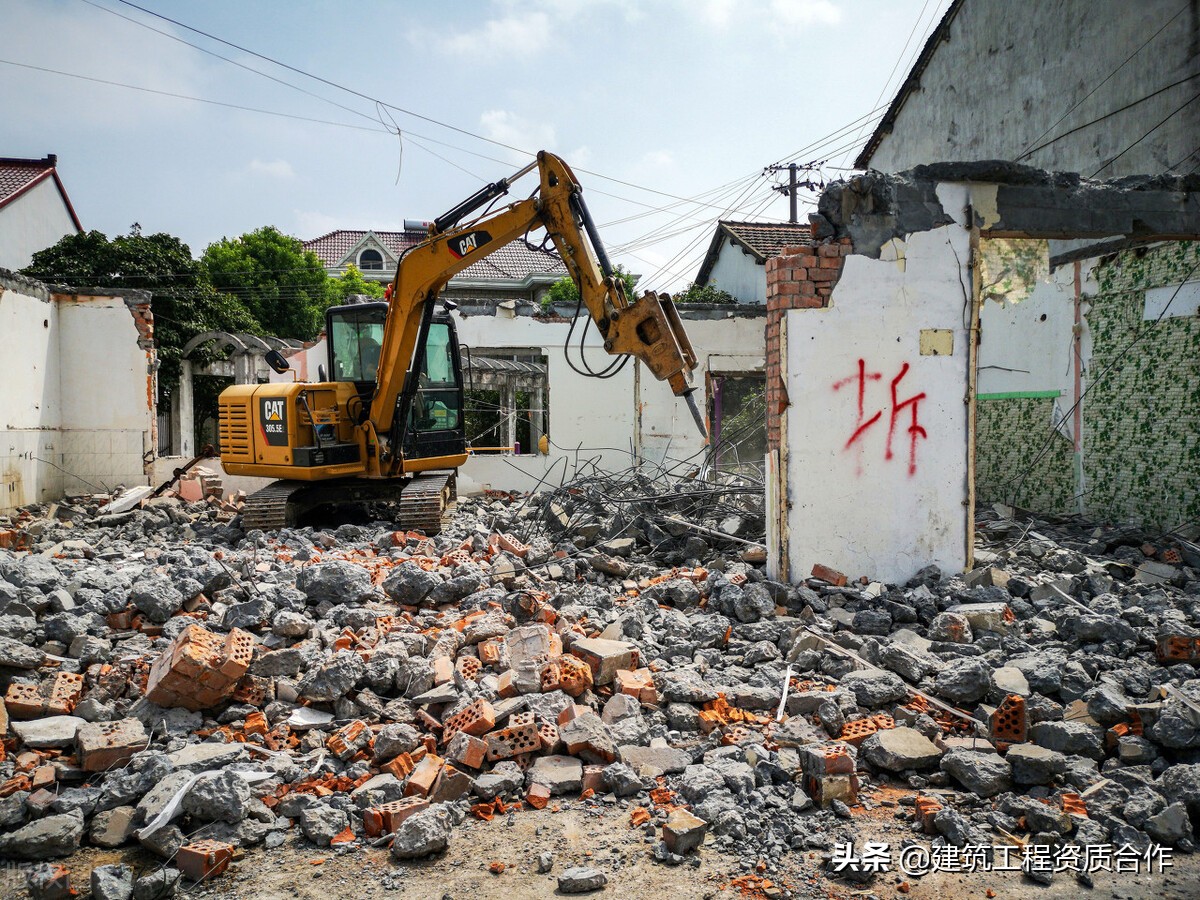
(648, 328)
(389, 424)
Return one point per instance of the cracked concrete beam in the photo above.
(874, 208)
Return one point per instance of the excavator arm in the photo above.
(648, 328)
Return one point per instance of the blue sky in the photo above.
(689, 98)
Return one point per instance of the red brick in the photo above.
(833, 576)
(105, 745)
(66, 689)
(200, 669)
(477, 719)
(420, 782)
(348, 739)
(537, 796)
(490, 650)
(637, 683)
(469, 667)
(201, 860)
(386, 818)
(515, 740)
(505, 685)
(401, 766)
(443, 670)
(926, 809)
(548, 735)
(467, 750)
(1008, 722)
(593, 778)
(24, 701)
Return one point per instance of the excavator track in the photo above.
(267, 509)
(424, 500)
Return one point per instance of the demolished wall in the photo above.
(911, 288)
(873, 431)
(77, 410)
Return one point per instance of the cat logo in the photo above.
(272, 414)
(468, 243)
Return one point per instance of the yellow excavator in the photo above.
(388, 424)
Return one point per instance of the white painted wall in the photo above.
(590, 419)
(30, 411)
(34, 221)
(730, 345)
(1054, 79)
(737, 272)
(1026, 345)
(593, 419)
(852, 508)
(76, 410)
(107, 396)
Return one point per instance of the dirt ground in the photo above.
(600, 838)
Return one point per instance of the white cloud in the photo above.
(91, 43)
(800, 13)
(658, 159)
(511, 37)
(716, 13)
(579, 157)
(277, 168)
(509, 128)
(780, 14)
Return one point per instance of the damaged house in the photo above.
(1088, 375)
(979, 332)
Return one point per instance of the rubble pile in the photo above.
(172, 682)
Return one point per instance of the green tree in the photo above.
(708, 293)
(282, 285)
(183, 301)
(565, 291)
(352, 282)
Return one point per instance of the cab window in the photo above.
(355, 338)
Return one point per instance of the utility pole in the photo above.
(793, 185)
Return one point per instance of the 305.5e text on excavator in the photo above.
(388, 422)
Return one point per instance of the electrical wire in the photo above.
(896, 65)
(1164, 121)
(1108, 115)
(1026, 152)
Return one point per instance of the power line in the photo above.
(883, 90)
(1100, 84)
(1107, 115)
(234, 62)
(1164, 121)
(146, 90)
(383, 103)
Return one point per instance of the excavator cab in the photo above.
(355, 334)
(434, 425)
(434, 420)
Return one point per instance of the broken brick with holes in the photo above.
(415, 680)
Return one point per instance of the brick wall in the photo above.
(801, 277)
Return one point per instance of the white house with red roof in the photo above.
(517, 271)
(35, 211)
(738, 252)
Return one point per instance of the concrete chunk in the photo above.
(604, 658)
